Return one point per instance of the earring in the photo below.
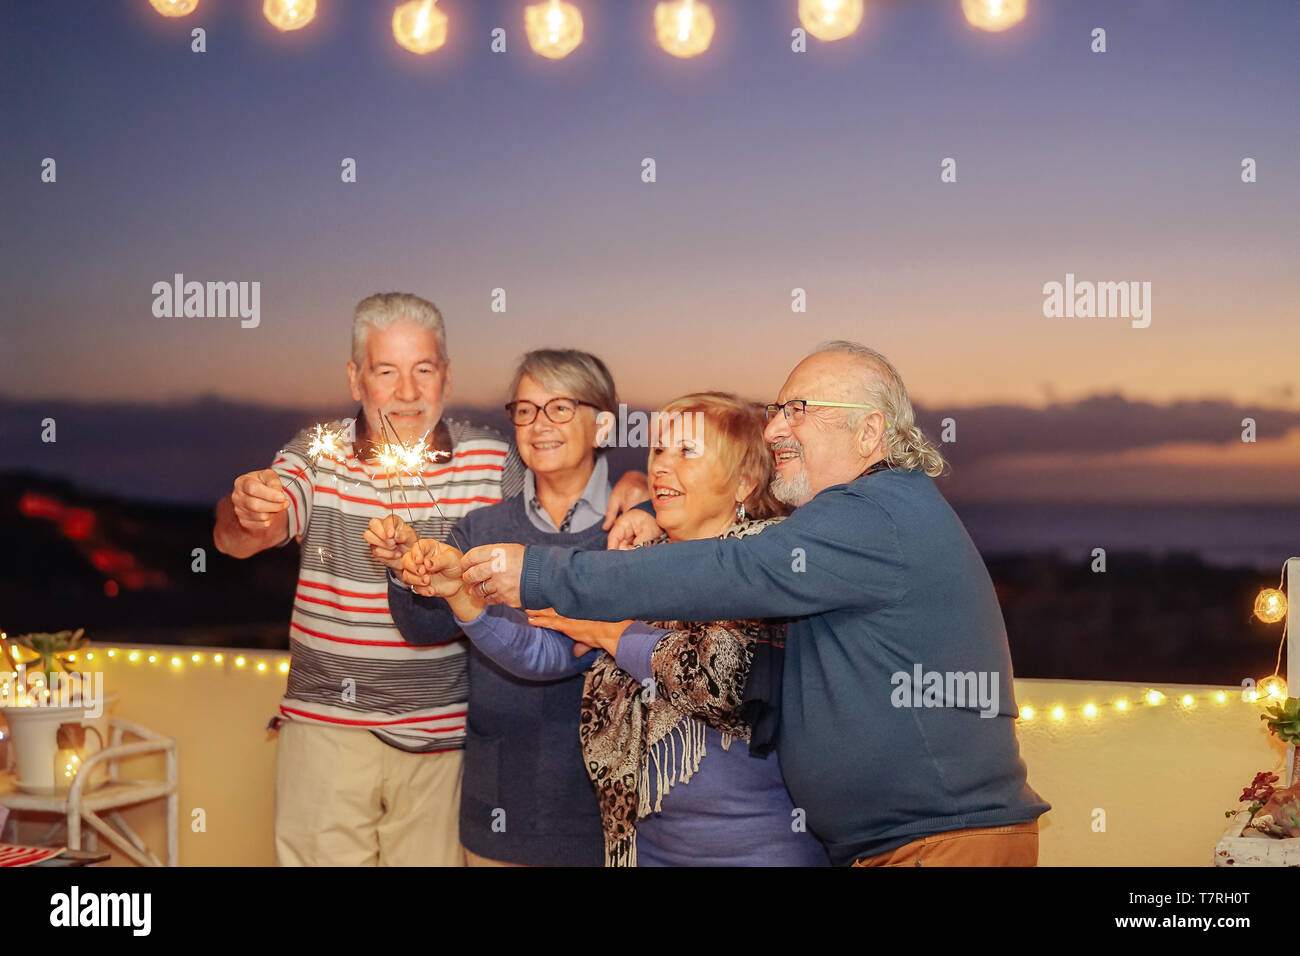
(740, 511)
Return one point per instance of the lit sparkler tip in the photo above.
(326, 442)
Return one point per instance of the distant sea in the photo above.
(1245, 535)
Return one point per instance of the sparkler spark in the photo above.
(326, 442)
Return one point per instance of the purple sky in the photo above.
(775, 170)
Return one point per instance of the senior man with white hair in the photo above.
(882, 586)
(372, 725)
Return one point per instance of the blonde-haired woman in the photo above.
(665, 701)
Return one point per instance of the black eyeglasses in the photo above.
(558, 410)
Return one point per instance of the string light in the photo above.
(239, 661)
(218, 657)
(830, 19)
(420, 27)
(133, 656)
(554, 28)
(261, 665)
(174, 8)
(289, 14)
(684, 28)
(1271, 689)
(284, 667)
(153, 658)
(1152, 698)
(1270, 605)
(994, 15)
(196, 658)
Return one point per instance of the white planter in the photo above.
(1254, 849)
(33, 743)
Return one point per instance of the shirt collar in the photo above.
(595, 494)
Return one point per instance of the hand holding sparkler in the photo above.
(432, 569)
(390, 539)
(257, 499)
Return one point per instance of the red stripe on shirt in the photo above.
(379, 723)
(349, 640)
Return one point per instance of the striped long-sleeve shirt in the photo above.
(349, 665)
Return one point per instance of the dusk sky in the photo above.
(775, 170)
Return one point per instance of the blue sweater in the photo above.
(734, 811)
(522, 751)
(881, 580)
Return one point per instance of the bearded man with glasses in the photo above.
(894, 621)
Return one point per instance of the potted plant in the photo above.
(1267, 832)
(45, 694)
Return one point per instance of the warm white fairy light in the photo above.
(684, 28)
(133, 656)
(830, 19)
(1090, 710)
(994, 15)
(239, 661)
(553, 28)
(218, 657)
(289, 14)
(284, 667)
(174, 8)
(196, 658)
(261, 665)
(419, 26)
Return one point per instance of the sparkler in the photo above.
(408, 458)
(326, 442)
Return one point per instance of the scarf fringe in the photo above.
(676, 758)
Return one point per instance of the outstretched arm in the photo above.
(840, 550)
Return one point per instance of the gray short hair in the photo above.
(905, 444)
(384, 308)
(575, 374)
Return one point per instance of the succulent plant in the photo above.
(1284, 719)
(46, 648)
(1280, 816)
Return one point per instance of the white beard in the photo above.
(795, 492)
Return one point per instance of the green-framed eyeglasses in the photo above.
(794, 409)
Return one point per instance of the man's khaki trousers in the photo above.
(343, 797)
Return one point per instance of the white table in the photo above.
(81, 805)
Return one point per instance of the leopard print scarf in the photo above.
(629, 732)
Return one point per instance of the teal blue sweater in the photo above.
(880, 578)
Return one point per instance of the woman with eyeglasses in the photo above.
(525, 795)
(674, 713)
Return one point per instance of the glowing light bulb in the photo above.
(1220, 697)
(1121, 704)
(554, 29)
(239, 661)
(1154, 697)
(174, 8)
(284, 667)
(1027, 713)
(218, 657)
(153, 658)
(994, 15)
(420, 27)
(90, 655)
(830, 19)
(72, 658)
(684, 28)
(176, 662)
(112, 653)
(261, 665)
(196, 658)
(1272, 689)
(289, 14)
(1270, 605)
(1058, 712)
(1090, 710)
(133, 656)
(1188, 700)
